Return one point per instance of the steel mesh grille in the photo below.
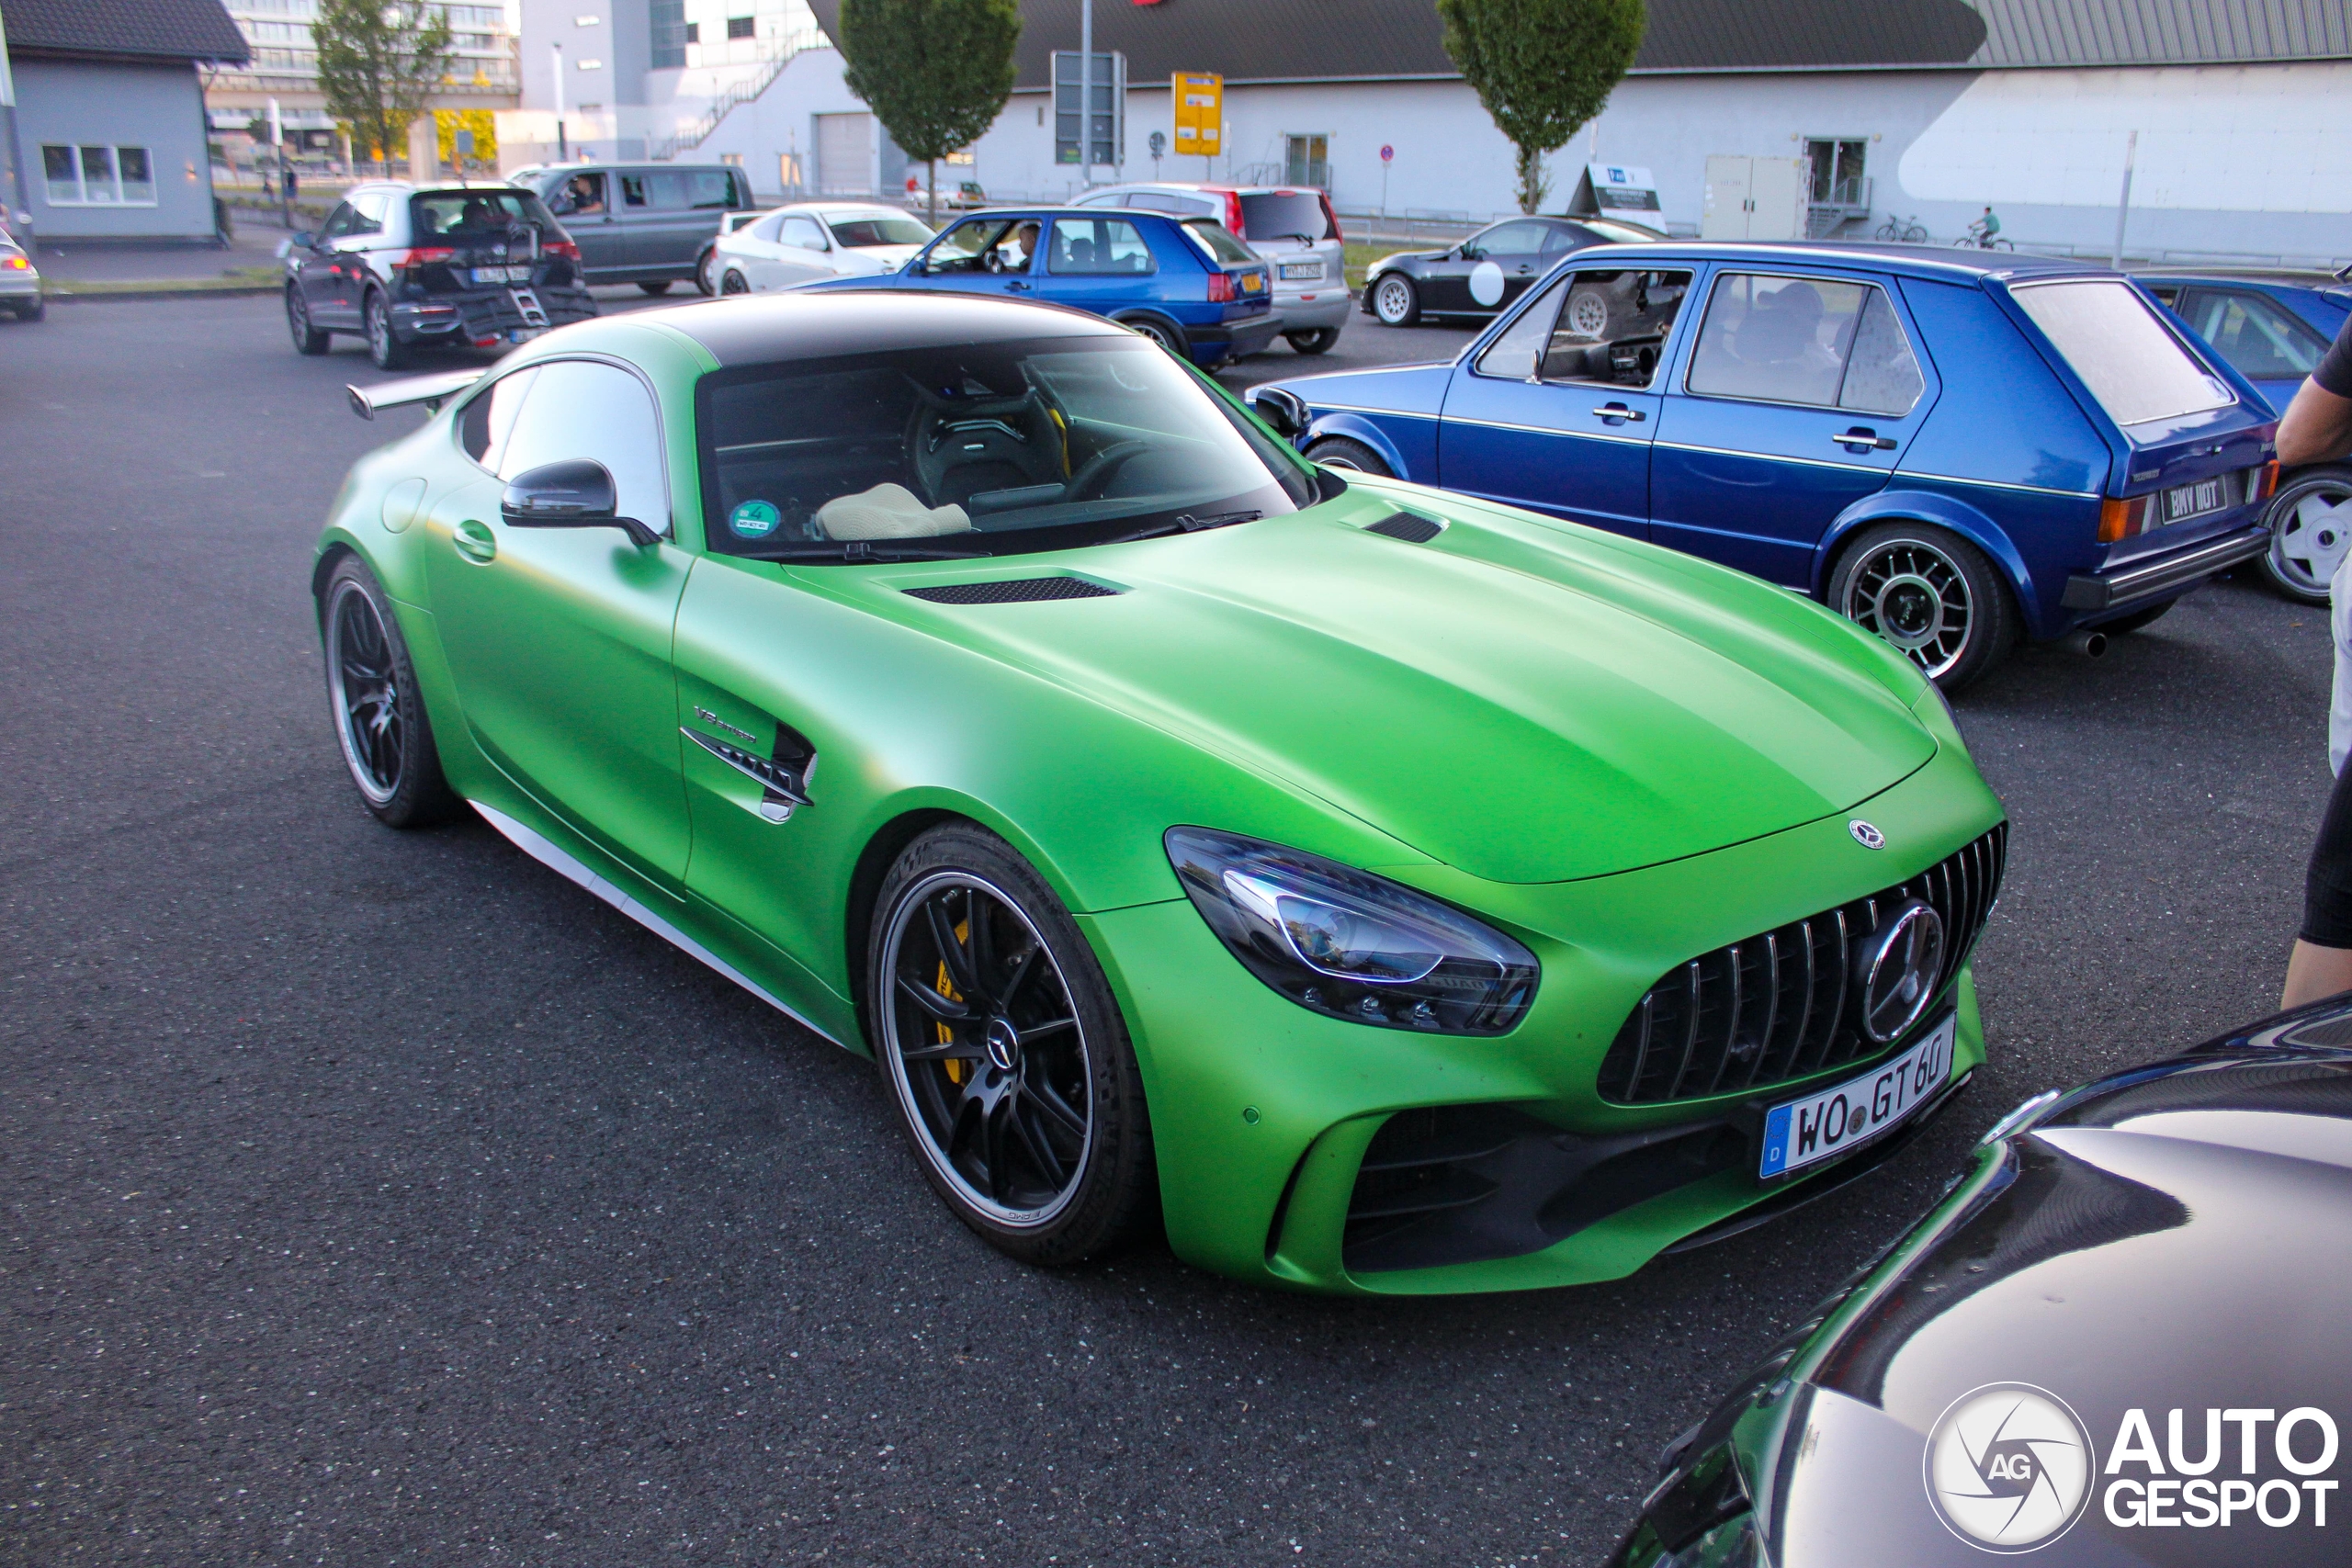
(1409, 527)
(1011, 591)
(1777, 1006)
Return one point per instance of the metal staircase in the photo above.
(693, 136)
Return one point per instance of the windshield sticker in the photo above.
(754, 520)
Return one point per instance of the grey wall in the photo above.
(159, 108)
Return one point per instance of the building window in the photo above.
(669, 34)
(738, 26)
(694, 32)
(1307, 161)
(98, 176)
(1837, 179)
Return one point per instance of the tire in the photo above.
(1395, 302)
(1931, 595)
(2308, 516)
(1354, 457)
(385, 350)
(1587, 315)
(1002, 1049)
(1166, 335)
(308, 339)
(31, 310)
(661, 288)
(705, 283)
(376, 706)
(2124, 626)
(1319, 341)
(734, 283)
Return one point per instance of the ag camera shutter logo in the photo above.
(2009, 1467)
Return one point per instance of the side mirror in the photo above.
(1283, 410)
(303, 239)
(575, 493)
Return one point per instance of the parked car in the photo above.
(1184, 283)
(1952, 451)
(1032, 716)
(650, 224)
(409, 267)
(813, 240)
(2272, 327)
(967, 196)
(1487, 271)
(19, 282)
(2111, 1323)
(1292, 230)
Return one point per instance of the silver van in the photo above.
(650, 224)
(1293, 229)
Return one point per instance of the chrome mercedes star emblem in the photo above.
(1865, 835)
(1901, 963)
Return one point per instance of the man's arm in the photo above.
(2317, 426)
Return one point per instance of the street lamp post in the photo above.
(562, 152)
(1086, 92)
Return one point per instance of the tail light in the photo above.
(431, 256)
(2123, 519)
(1220, 288)
(18, 263)
(2265, 483)
(1233, 212)
(1332, 218)
(561, 248)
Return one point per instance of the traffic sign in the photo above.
(1200, 113)
(1388, 153)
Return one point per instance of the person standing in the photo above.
(2317, 428)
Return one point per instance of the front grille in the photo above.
(1780, 1005)
(1013, 591)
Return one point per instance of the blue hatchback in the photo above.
(1954, 452)
(1185, 282)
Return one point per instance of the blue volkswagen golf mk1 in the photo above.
(1953, 452)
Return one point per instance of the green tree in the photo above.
(1542, 68)
(935, 73)
(377, 65)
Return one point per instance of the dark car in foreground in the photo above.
(1487, 271)
(1952, 450)
(411, 268)
(2118, 1339)
(2272, 327)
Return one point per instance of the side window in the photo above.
(967, 246)
(2261, 340)
(484, 423)
(579, 408)
(582, 193)
(1522, 346)
(1091, 245)
(1782, 340)
(370, 208)
(1560, 241)
(801, 232)
(1513, 238)
(1614, 327)
(633, 191)
(338, 222)
(1882, 374)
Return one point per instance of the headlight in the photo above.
(1350, 944)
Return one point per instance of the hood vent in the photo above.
(1013, 591)
(1409, 527)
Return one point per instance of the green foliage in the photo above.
(377, 65)
(1542, 68)
(935, 72)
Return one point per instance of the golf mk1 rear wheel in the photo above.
(1931, 595)
(1005, 1052)
(2310, 519)
(377, 710)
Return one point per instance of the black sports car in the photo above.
(2121, 1338)
(1485, 271)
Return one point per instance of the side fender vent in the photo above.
(1409, 527)
(1013, 591)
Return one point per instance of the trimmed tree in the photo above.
(935, 73)
(1542, 68)
(377, 65)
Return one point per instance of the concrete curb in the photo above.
(164, 291)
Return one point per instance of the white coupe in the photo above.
(813, 240)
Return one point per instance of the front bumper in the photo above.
(489, 313)
(1263, 1113)
(2142, 580)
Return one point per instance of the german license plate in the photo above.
(2184, 502)
(1301, 269)
(1821, 1126)
(1253, 283)
(523, 334)
(500, 275)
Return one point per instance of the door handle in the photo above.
(1620, 411)
(474, 541)
(1017, 287)
(1861, 439)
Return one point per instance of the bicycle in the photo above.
(1979, 238)
(1903, 230)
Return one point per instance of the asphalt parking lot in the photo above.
(380, 1198)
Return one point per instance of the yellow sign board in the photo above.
(1200, 113)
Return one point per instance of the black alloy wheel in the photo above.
(1319, 341)
(663, 287)
(734, 283)
(385, 350)
(1394, 301)
(2310, 518)
(308, 339)
(1354, 457)
(1005, 1052)
(1931, 595)
(377, 710)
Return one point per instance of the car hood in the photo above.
(1398, 258)
(882, 258)
(1521, 701)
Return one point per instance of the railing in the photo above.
(743, 92)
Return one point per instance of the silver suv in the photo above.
(1292, 230)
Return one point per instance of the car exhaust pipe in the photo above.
(2089, 644)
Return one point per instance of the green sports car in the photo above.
(1388, 892)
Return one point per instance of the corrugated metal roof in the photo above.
(1328, 41)
(144, 30)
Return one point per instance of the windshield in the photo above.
(860, 230)
(2137, 369)
(1275, 214)
(976, 449)
(1217, 240)
(485, 209)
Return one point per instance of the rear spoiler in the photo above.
(430, 391)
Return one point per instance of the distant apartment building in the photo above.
(283, 65)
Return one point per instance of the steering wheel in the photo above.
(1094, 475)
(993, 260)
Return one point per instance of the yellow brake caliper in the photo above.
(947, 1035)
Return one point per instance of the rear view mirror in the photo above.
(1285, 411)
(575, 493)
